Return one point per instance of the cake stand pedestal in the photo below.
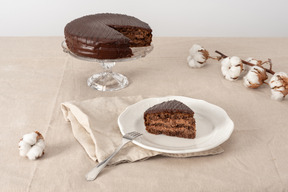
(109, 80)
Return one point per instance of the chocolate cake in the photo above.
(106, 35)
(172, 118)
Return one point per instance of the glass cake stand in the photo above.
(109, 80)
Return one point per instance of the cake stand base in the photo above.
(108, 81)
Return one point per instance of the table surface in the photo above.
(36, 76)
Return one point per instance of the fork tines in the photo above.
(132, 135)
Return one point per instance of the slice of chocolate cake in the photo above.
(171, 118)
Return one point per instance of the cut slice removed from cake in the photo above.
(172, 118)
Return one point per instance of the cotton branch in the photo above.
(250, 64)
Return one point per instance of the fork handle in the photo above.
(91, 175)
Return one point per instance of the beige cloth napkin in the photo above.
(94, 125)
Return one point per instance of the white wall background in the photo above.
(206, 18)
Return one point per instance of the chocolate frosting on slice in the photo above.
(173, 106)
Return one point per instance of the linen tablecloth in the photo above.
(36, 77)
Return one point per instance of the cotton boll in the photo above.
(279, 85)
(231, 68)
(255, 77)
(198, 56)
(32, 145)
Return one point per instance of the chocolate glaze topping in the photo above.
(100, 26)
(173, 106)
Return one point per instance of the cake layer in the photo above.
(101, 52)
(167, 125)
(170, 120)
(180, 132)
(138, 37)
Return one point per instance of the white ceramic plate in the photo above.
(213, 126)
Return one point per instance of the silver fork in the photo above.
(90, 176)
